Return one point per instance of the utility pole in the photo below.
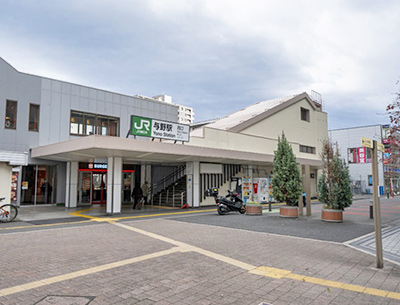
(377, 210)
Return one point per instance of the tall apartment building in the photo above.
(185, 114)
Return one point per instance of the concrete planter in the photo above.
(289, 211)
(254, 210)
(332, 215)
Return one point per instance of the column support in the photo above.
(114, 187)
(71, 194)
(193, 184)
(307, 182)
(301, 195)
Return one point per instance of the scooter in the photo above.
(231, 202)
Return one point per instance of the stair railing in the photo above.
(166, 181)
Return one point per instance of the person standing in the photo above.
(137, 195)
(145, 191)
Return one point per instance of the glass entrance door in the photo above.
(99, 189)
(85, 190)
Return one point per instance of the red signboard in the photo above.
(362, 155)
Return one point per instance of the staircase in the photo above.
(174, 195)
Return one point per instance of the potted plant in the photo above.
(286, 180)
(334, 185)
(253, 208)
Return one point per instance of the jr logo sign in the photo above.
(154, 128)
(141, 126)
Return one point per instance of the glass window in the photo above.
(359, 155)
(76, 123)
(33, 117)
(38, 184)
(11, 115)
(88, 124)
(307, 149)
(113, 127)
(305, 114)
(90, 121)
(102, 127)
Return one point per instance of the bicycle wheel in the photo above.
(8, 212)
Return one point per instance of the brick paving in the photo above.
(149, 269)
(185, 277)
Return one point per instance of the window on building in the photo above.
(33, 117)
(11, 115)
(307, 149)
(90, 121)
(76, 123)
(359, 155)
(305, 114)
(82, 123)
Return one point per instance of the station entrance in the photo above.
(92, 182)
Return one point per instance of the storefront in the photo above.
(38, 184)
(93, 182)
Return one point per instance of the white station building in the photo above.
(69, 144)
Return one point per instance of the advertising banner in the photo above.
(246, 188)
(362, 155)
(146, 127)
(263, 194)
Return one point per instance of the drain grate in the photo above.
(65, 300)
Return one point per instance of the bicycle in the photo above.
(8, 212)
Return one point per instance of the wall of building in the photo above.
(5, 182)
(297, 132)
(24, 89)
(56, 100)
(351, 138)
(262, 136)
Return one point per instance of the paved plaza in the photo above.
(198, 257)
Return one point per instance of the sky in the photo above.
(216, 56)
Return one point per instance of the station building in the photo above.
(64, 143)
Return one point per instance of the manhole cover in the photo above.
(65, 300)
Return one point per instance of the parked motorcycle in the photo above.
(231, 202)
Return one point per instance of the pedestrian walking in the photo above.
(137, 195)
(145, 191)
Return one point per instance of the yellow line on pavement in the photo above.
(84, 272)
(108, 219)
(102, 219)
(263, 270)
(45, 225)
(187, 248)
(184, 247)
(281, 273)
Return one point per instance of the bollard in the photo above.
(371, 209)
(269, 206)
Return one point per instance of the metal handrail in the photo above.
(168, 180)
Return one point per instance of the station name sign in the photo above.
(153, 128)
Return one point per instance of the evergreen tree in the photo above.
(334, 184)
(286, 180)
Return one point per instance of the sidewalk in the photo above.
(172, 261)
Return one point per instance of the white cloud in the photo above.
(203, 52)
